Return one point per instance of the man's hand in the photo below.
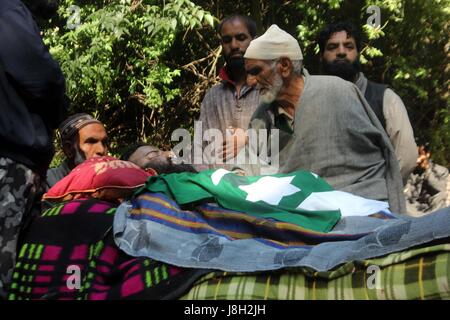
(423, 159)
(235, 140)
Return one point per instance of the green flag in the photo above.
(277, 196)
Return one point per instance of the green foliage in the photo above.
(114, 65)
(415, 63)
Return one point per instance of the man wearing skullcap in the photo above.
(82, 137)
(32, 104)
(324, 124)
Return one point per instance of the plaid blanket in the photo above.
(69, 253)
(413, 274)
(211, 237)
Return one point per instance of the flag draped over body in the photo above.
(300, 197)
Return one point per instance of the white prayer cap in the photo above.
(273, 44)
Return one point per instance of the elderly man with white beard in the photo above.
(324, 123)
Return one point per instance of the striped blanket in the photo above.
(69, 253)
(211, 237)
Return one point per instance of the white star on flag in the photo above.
(270, 189)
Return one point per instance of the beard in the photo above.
(44, 9)
(270, 95)
(235, 65)
(168, 166)
(343, 69)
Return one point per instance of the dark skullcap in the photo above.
(73, 124)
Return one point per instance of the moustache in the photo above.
(339, 61)
(236, 54)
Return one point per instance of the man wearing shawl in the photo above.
(324, 123)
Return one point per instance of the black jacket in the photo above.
(32, 90)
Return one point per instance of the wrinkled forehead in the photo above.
(93, 129)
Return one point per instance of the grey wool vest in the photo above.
(374, 95)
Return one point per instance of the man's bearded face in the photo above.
(263, 75)
(148, 156)
(340, 57)
(235, 39)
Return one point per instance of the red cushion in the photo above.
(105, 178)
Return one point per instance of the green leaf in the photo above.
(173, 24)
(209, 18)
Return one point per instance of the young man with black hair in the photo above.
(229, 105)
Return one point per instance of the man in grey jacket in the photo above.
(340, 46)
(229, 105)
(324, 123)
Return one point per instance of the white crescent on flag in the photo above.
(218, 175)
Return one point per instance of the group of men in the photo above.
(352, 132)
(357, 136)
